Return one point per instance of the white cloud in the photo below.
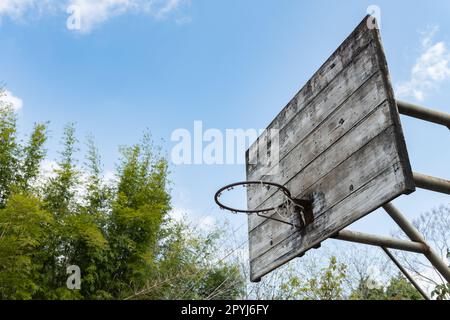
(430, 70)
(18, 9)
(15, 8)
(164, 8)
(90, 13)
(8, 99)
(93, 13)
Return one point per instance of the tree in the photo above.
(99, 193)
(364, 291)
(60, 191)
(400, 288)
(24, 238)
(9, 151)
(119, 233)
(137, 215)
(19, 163)
(32, 155)
(188, 268)
(326, 285)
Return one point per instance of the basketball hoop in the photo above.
(289, 208)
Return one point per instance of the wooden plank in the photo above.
(382, 189)
(327, 133)
(377, 155)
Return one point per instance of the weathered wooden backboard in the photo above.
(341, 145)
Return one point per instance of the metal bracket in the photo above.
(411, 110)
(302, 208)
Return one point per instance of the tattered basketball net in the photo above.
(286, 210)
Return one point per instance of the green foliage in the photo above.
(24, 238)
(398, 288)
(442, 291)
(9, 150)
(60, 190)
(189, 269)
(98, 193)
(118, 233)
(327, 285)
(32, 155)
(137, 214)
(19, 165)
(363, 292)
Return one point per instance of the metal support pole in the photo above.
(415, 236)
(409, 109)
(406, 274)
(431, 183)
(380, 241)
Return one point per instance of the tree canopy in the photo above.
(117, 232)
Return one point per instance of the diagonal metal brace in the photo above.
(415, 235)
(406, 273)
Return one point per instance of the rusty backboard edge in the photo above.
(399, 136)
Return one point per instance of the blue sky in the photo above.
(164, 64)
